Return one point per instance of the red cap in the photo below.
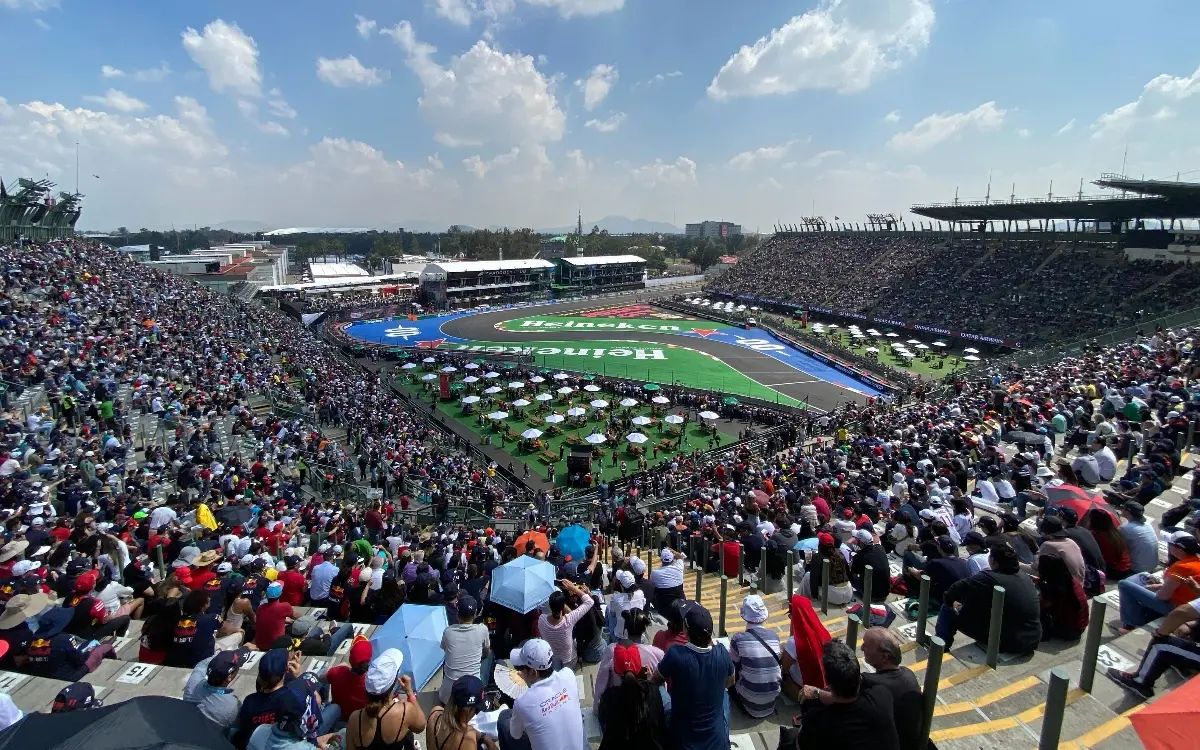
(825, 539)
(360, 651)
(85, 582)
(626, 659)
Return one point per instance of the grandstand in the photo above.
(34, 214)
(583, 274)
(474, 282)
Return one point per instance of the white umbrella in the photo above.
(872, 349)
(709, 415)
(858, 335)
(449, 369)
(913, 341)
(576, 411)
(673, 419)
(537, 379)
(429, 360)
(543, 397)
(498, 415)
(661, 400)
(907, 355)
(566, 389)
(898, 345)
(754, 309)
(561, 376)
(922, 346)
(971, 358)
(628, 402)
(599, 404)
(520, 403)
(893, 335)
(516, 385)
(493, 390)
(408, 366)
(429, 376)
(531, 434)
(555, 419)
(641, 421)
(591, 388)
(490, 375)
(636, 437)
(739, 308)
(595, 439)
(832, 325)
(470, 379)
(970, 350)
(940, 344)
(470, 400)
(472, 366)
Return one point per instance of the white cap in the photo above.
(638, 565)
(754, 609)
(863, 536)
(667, 556)
(625, 578)
(24, 566)
(535, 654)
(325, 547)
(384, 671)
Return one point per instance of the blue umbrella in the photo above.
(806, 544)
(415, 629)
(573, 540)
(523, 585)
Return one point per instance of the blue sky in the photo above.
(513, 112)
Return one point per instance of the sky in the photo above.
(424, 113)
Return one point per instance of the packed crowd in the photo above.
(1027, 290)
(215, 551)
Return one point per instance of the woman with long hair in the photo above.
(1064, 605)
(631, 709)
(388, 721)
(637, 622)
(449, 727)
(1118, 563)
(840, 589)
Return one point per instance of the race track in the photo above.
(798, 376)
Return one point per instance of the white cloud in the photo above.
(659, 78)
(821, 157)
(434, 161)
(765, 154)
(893, 116)
(1024, 132)
(454, 11)
(1158, 101)
(938, 128)
(30, 5)
(569, 8)
(228, 55)
(271, 127)
(145, 75)
(348, 71)
(278, 106)
(118, 101)
(843, 45)
(682, 171)
(597, 85)
(482, 96)
(41, 23)
(1067, 128)
(607, 125)
(364, 26)
(479, 167)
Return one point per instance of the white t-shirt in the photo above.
(549, 714)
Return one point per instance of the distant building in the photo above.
(553, 248)
(601, 272)
(716, 230)
(489, 281)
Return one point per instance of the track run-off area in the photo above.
(627, 337)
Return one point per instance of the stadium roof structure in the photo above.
(475, 266)
(316, 230)
(603, 260)
(335, 270)
(1152, 199)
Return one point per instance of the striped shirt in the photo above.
(758, 673)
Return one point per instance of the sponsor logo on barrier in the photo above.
(432, 344)
(594, 353)
(586, 325)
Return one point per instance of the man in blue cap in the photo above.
(209, 686)
(262, 706)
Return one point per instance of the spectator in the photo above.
(1139, 537)
(968, 603)
(347, 682)
(881, 650)
(1145, 596)
(272, 618)
(1176, 643)
(467, 646)
(379, 724)
(547, 715)
(209, 687)
(870, 552)
(756, 660)
(699, 674)
(801, 662)
(667, 580)
(850, 714)
(558, 627)
(451, 726)
(1063, 603)
(631, 712)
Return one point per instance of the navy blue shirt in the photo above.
(698, 696)
(60, 658)
(193, 640)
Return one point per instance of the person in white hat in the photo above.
(756, 655)
(548, 713)
(382, 722)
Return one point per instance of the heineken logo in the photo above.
(587, 325)
(433, 344)
(566, 351)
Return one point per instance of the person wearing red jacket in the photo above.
(295, 585)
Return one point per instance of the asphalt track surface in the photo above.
(766, 370)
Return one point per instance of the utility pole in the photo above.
(76, 167)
